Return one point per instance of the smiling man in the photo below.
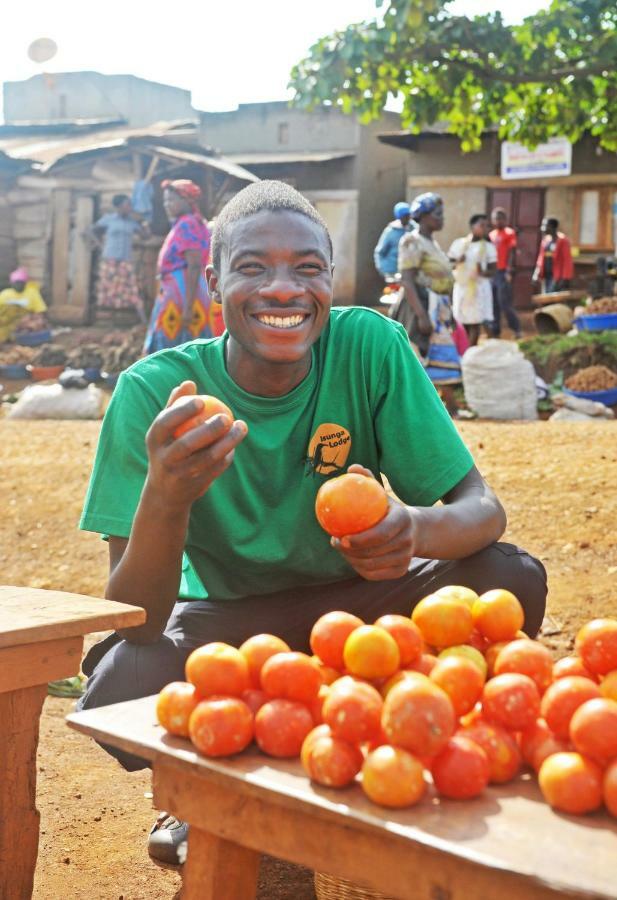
(214, 533)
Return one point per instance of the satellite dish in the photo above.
(42, 50)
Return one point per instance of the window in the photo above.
(283, 133)
(593, 218)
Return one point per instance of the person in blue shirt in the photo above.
(386, 251)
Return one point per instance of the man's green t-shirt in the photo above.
(365, 400)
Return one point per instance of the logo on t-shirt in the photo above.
(328, 450)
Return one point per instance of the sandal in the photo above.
(167, 841)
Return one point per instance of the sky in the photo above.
(225, 52)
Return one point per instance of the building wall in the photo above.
(441, 155)
(271, 127)
(90, 95)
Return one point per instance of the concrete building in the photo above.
(338, 164)
(68, 96)
(585, 202)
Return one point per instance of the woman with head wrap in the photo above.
(183, 310)
(425, 309)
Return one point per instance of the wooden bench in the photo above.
(41, 640)
(507, 844)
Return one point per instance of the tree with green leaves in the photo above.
(554, 74)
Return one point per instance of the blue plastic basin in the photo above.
(596, 323)
(609, 398)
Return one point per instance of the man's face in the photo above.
(479, 228)
(404, 220)
(19, 286)
(499, 220)
(275, 284)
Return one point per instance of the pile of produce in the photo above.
(32, 323)
(49, 355)
(16, 355)
(86, 356)
(456, 695)
(592, 378)
(601, 307)
(116, 350)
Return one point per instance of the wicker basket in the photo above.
(327, 887)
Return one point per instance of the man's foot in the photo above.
(167, 841)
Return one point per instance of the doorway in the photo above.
(525, 211)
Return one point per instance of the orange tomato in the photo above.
(461, 770)
(571, 783)
(491, 654)
(458, 592)
(538, 742)
(353, 709)
(316, 705)
(443, 622)
(393, 777)
(281, 727)
(562, 699)
(291, 676)
(407, 636)
(317, 732)
(596, 644)
(528, 658)
(174, 705)
(511, 700)
(424, 665)
(254, 698)
(221, 726)
(462, 681)
(212, 406)
(418, 716)
(370, 652)
(498, 615)
(467, 652)
(397, 678)
(571, 665)
(329, 634)
(331, 761)
(609, 788)
(257, 649)
(593, 729)
(349, 504)
(608, 685)
(502, 750)
(218, 668)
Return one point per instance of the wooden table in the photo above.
(508, 844)
(41, 640)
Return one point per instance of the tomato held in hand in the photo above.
(212, 406)
(350, 504)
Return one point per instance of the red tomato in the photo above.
(393, 777)
(528, 658)
(218, 668)
(221, 726)
(571, 783)
(462, 681)
(331, 761)
(502, 751)
(257, 649)
(461, 770)
(593, 730)
(353, 709)
(538, 743)
(407, 635)
(174, 705)
(329, 634)
(281, 727)
(562, 699)
(291, 676)
(418, 716)
(511, 700)
(596, 644)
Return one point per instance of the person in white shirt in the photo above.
(475, 259)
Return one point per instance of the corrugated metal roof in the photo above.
(221, 163)
(298, 156)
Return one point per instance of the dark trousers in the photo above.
(503, 303)
(120, 671)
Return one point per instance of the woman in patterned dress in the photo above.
(183, 310)
(424, 310)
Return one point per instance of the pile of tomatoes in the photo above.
(456, 694)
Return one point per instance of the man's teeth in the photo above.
(280, 321)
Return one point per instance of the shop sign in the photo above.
(548, 160)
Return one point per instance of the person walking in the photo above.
(475, 263)
(183, 309)
(504, 239)
(424, 309)
(554, 266)
(114, 232)
(386, 251)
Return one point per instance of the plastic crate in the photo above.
(596, 323)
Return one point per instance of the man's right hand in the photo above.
(182, 469)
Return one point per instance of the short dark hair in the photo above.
(118, 199)
(499, 211)
(261, 195)
(476, 218)
(554, 223)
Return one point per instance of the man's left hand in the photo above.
(384, 551)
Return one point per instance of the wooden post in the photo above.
(19, 818)
(217, 869)
(61, 224)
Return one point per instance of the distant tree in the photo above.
(554, 74)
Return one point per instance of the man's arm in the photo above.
(381, 249)
(145, 570)
(470, 519)
(411, 295)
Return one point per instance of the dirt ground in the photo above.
(557, 482)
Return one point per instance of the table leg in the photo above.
(20, 712)
(217, 869)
